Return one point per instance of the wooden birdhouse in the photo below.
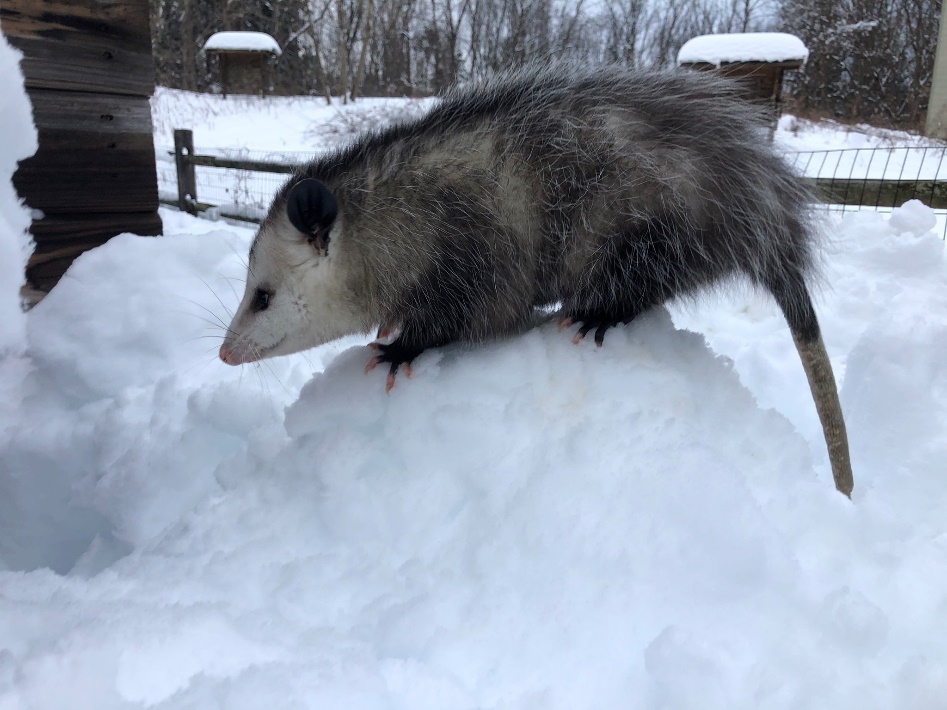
(244, 60)
(757, 60)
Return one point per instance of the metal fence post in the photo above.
(187, 181)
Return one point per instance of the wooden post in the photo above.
(224, 73)
(936, 125)
(187, 181)
(88, 71)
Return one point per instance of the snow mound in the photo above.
(522, 524)
(913, 217)
(743, 47)
(19, 141)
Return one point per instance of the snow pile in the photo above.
(913, 217)
(242, 42)
(743, 47)
(19, 141)
(526, 524)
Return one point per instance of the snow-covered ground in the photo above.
(525, 524)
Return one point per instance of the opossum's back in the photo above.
(683, 131)
(668, 108)
(612, 145)
(547, 157)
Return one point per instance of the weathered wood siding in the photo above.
(763, 80)
(243, 72)
(88, 70)
(936, 123)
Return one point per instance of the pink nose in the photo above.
(226, 354)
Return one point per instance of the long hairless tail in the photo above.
(796, 304)
(815, 361)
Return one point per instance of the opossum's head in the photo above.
(296, 294)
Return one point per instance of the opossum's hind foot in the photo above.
(588, 323)
(398, 356)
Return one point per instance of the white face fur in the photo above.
(296, 296)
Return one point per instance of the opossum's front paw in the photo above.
(588, 323)
(398, 356)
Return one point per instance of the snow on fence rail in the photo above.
(240, 184)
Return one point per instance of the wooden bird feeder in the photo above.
(757, 60)
(244, 60)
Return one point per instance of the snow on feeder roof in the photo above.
(242, 42)
(770, 47)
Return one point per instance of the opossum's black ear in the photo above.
(310, 206)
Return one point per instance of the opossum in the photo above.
(607, 191)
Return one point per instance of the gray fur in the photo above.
(607, 191)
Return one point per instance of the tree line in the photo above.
(869, 58)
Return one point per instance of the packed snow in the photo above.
(523, 524)
(743, 47)
(242, 42)
(19, 141)
(526, 523)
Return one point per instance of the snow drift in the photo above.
(523, 524)
(19, 141)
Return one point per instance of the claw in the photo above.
(564, 323)
(397, 357)
(596, 325)
(600, 334)
(583, 331)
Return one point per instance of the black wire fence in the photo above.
(239, 184)
(878, 178)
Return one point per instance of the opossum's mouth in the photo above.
(246, 354)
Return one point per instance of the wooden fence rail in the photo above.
(880, 193)
(832, 191)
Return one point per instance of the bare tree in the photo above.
(870, 59)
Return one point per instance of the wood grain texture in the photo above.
(95, 154)
(83, 112)
(59, 240)
(880, 193)
(93, 45)
(79, 181)
(76, 66)
(56, 232)
(88, 70)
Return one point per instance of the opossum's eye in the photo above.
(311, 207)
(261, 300)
